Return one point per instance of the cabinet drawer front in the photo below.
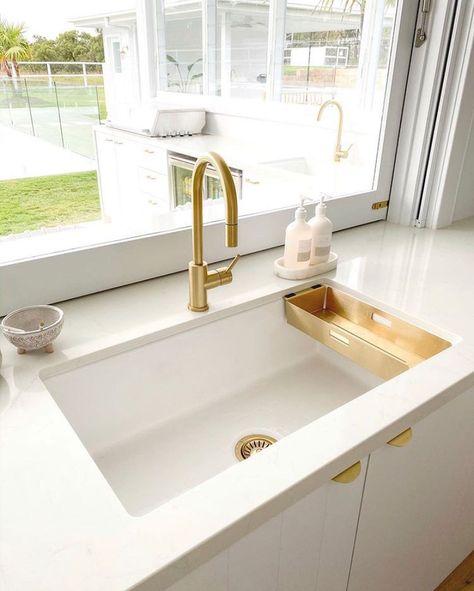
(153, 185)
(152, 157)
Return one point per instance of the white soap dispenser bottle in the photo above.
(321, 229)
(298, 239)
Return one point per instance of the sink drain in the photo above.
(251, 445)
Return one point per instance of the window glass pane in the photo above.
(117, 57)
(241, 48)
(183, 46)
(339, 50)
(335, 49)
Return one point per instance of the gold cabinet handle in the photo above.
(402, 439)
(349, 474)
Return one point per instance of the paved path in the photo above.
(26, 156)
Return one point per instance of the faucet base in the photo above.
(194, 309)
(197, 287)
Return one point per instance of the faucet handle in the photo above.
(232, 264)
(345, 153)
(221, 276)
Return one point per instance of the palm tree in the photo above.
(13, 47)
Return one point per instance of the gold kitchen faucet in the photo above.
(339, 153)
(200, 278)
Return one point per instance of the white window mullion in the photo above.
(370, 45)
(226, 55)
(209, 45)
(162, 64)
(146, 40)
(276, 46)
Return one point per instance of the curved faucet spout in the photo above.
(338, 151)
(230, 198)
(200, 279)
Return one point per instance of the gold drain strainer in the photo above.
(251, 445)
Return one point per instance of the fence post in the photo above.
(50, 77)
(84, 73)
(59, 115)
(29, 108)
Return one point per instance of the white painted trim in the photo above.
(275, 49)
(209, 45)
(162, 65)
(454, 126)
(83, 271)
(226, 54)
(419, 115)
(147, 47)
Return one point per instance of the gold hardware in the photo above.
(252, 182)
(402, 439)
(251, 445)
(339, 153)
(148, 151)
(380, 205)
(349, 474)
(200, 279)
(372, 338)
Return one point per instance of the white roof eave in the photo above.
(104, 19)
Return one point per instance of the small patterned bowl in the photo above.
(33, 327)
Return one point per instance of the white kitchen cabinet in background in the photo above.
(417, 516)
(133, 176)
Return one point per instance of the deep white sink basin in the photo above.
(163, 417)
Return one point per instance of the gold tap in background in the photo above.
(339, 153)
(200, 279)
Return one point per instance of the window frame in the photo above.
(83, 271)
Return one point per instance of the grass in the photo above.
(49, 201)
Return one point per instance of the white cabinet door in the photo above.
(417, 516)
(133, 178)
(307, 547)
(127, 170)
(108, 176)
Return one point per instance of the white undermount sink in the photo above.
(162, 417)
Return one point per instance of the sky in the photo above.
(50, 17)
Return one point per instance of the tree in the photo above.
(43, 50)
(70, 46)
(13, 47)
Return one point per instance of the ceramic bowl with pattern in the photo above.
(33, 327)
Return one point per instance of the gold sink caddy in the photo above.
(374, 339)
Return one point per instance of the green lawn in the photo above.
(49, 201)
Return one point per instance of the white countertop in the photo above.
(61, 525)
